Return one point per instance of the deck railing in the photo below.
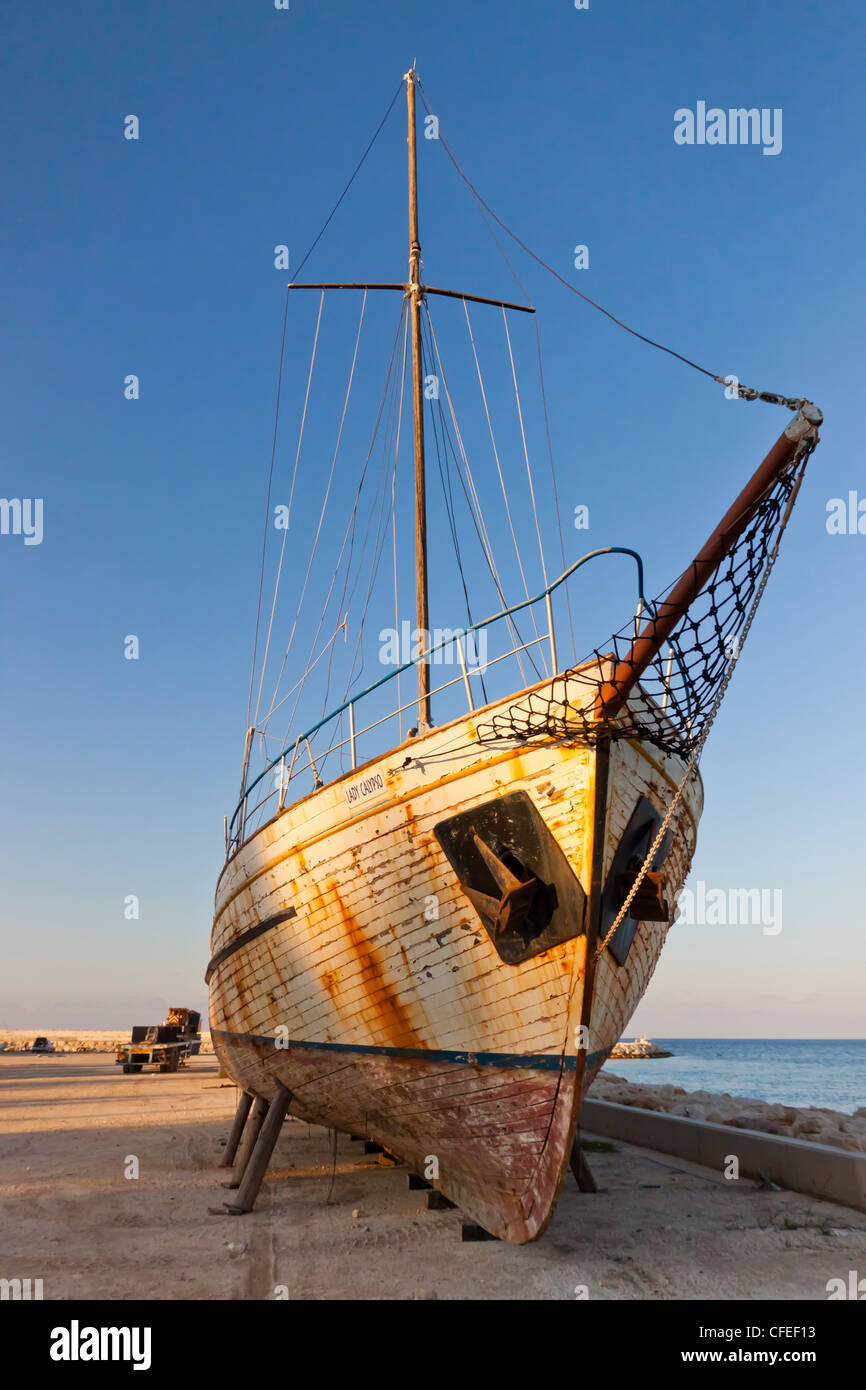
(298, 757)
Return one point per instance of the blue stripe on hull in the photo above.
(540, 1061)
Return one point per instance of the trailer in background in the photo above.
(167, 1046)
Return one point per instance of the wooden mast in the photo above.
(416, 292)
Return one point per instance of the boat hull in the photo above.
(351, 966)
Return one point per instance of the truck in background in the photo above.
(167, 1046)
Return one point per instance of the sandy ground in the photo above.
(817, 1126)
(660, 1228)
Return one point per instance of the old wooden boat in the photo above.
(437, 944)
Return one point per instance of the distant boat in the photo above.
(439, 945)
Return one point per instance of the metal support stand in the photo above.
(437, 1201)
(237, 1129)
(581, 1169)
(260, 1156)
(251, 1134)
(469, 1232)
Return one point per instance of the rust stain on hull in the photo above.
(413, 1031)
(391, 1018)
(382, 1012)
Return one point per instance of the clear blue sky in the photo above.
(155, 257)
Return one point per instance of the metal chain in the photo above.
(748, 393)
(802, 457)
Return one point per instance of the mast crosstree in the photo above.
(415, 291)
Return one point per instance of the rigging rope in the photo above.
(392, 432)
(303, 262)
(350, 529)
(672, 703)
(498, 463)
(526, 457)
(710, 718)
(341, 627)
(744, 392)
(324, 503)
(445, 477)
(349, 534)
(291, 498)
(475, 504)
(699, 670)
(553, 480)
(355, 172)
(268, 511)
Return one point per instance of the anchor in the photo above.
(508, 913)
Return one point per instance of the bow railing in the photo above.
(459, 648)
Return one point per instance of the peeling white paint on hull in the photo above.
(349, 965)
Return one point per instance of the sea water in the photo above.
(792, 1071)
